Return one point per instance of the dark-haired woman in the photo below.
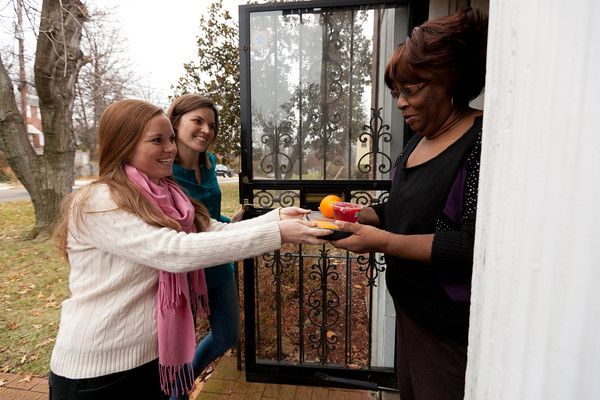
(426, 228)
(195, 121)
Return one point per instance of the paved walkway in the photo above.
(225, 383)
(15, 387)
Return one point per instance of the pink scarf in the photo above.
(174, 303)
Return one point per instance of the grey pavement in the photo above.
(16, 191)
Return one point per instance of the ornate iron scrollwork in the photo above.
(376, 131)
(372, 265)
(369, 197)
(278, 262)
(276, 161)
(269, 199)
(323, 303)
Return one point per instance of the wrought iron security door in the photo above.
(317, 120)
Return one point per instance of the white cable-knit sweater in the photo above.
(108, 323)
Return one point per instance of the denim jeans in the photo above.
(138, 383)
(224, 322)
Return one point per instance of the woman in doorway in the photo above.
(196, 124)
(136, 245)
(426, 228)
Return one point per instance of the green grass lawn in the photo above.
(34, 282)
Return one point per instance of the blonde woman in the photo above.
(136, 247)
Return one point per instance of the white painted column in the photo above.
(535, 319)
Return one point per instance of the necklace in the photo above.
(457, 119)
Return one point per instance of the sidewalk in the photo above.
(15, 387)
(225, 383)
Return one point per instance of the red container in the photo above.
(345, 211)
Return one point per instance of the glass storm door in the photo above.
(317, 119)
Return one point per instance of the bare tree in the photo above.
(105, 78)
(58, 58)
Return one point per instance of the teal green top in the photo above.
(209, 194)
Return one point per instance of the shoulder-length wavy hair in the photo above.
(119, 132)
(190, 102)
(450, 49)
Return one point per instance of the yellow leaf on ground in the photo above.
(45, 342)
(26, 378)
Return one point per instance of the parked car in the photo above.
(223, 170)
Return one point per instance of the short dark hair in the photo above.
(450, 49)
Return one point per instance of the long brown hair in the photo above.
(119, 131)
(450, 49)
(190, 102)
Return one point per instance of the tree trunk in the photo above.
(48, 178)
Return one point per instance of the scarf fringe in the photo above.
(177, 380)
(198, 297)
(170, 292)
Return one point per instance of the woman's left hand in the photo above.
(292, 213)
(365, 238)
(238, 215)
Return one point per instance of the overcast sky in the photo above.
(161, 36)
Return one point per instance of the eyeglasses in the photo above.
(408, 90)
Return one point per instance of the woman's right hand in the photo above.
(301, 232)
(368, 216)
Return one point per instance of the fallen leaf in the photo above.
(23, 359)
(2, 382)
(36, 326)
(26, 379)
(11, 326)
(45, 342)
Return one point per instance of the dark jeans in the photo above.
(138, 383)
(428, 366)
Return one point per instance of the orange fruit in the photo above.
(325, 206)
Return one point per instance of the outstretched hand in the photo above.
(365, 238)
(292, 213)
(301, 232)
